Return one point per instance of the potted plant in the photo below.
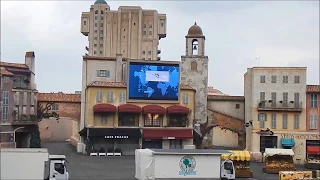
(117, 152)
(110, 152)
(102, 151)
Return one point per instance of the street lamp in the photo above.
(14, 136)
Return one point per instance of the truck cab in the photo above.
(56, 168)
(227, 170)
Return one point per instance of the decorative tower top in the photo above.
(100, 2)
(195, 41)
(195, 30)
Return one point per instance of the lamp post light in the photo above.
(14, 136)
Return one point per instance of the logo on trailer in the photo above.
(187, 165)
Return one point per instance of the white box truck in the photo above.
(182, 164)
(32, 164)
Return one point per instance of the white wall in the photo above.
(207, 166)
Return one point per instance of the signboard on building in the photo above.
(116, 137)
(302, 136)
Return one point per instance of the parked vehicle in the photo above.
(36, 164)
(182, 164)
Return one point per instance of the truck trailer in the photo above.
(32, 163)
(183, 164)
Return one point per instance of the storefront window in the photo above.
(176, 144)
(177, 121)
(152, 120)
(127, 120)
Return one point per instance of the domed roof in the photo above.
(100, 2)
(213, 91)
(195, 30)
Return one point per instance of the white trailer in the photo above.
(182, 164)
(32, 163)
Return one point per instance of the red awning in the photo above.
(104, 108)
(153, 109)
(167, 133)
(177, 110)
(129, 108)
(313, 149)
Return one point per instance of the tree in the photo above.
(43, 112)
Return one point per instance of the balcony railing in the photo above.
(25, 120)
(295, 106)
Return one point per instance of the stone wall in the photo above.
(197, 79)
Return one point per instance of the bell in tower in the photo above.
(195, 41)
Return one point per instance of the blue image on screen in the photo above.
(154, 81)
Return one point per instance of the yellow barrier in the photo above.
(237, 156)
(295, 175)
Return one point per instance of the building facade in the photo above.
(130, 31)
(312, 117)
(275, 105)
(313, 108)
(109, 121)
(19, 104)
(66, 128)
(226, 117)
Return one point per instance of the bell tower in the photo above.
(195, 41)
(194, 70)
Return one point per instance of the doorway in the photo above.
(268, 142)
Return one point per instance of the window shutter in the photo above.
(124, 96)
(98, 73)
(97, 96)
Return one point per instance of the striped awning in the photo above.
(237, 156)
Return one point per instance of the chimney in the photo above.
(30, 62)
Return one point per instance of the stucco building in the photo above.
(19, 104)
(66, 128)
(131, 31)
(108, 120)
(275, 105)
(226, 118)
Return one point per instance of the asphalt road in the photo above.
(94, 168)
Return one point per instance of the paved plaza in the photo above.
(103, 168)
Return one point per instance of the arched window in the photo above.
(96, 12)
(194, 66)
(195, 47)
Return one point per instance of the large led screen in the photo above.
(153, 81)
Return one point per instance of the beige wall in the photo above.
(225, 138)
(66, 127)
(92, 120)
(252, 90)
(130, 30)
(53, 130)
(228, 107)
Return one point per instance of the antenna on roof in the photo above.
(195, 17)
(258, 59)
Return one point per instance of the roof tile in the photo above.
(30, 54)
(58, 97)
(18, 65)
(5, 72)
(107, 84)
(221, 97)
(313, 88)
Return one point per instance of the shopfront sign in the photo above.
(302, 136)
(187, 165)
(116, 137)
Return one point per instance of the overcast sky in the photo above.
(282, 33)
